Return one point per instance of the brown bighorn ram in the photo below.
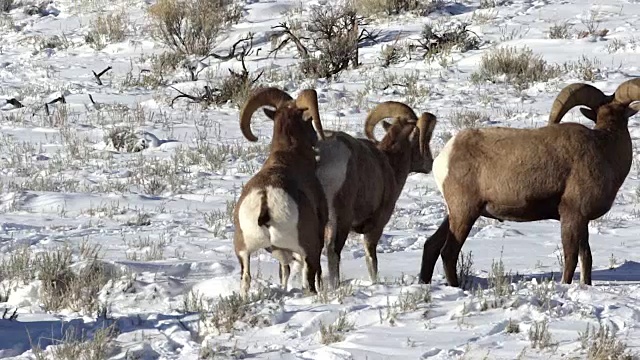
(282, 208)
(362, 178)
(566, 172)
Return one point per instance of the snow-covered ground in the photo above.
(161, 217)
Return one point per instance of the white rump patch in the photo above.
(441, 166)
(282, 229)
(332, 172)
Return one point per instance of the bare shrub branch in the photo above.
(98, 75)
(234, 87)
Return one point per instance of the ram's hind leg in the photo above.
(285, 257)
(370, 241)
(575, 242)
(333, 256)
(312, 270)
(285, 272)
(431, 251)
(459, 228)
(334, 250)
(585, 260)
(245, 271)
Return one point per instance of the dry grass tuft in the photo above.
(396, 7)
(107, 29)
(603, 344)
(74, 346)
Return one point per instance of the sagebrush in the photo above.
(192, 26)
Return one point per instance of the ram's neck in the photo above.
(400, 161)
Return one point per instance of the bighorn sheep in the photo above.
(566, 172)
(282, 208)
(363, 178)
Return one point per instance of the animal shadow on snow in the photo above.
(18, 336)
(626, 273)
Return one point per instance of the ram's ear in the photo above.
(270, 113)
(633, 109)
(386, 125)
(589, 114)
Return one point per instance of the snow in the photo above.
(63, 183)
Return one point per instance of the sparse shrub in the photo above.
(585, 68)
(335, 332)
(192, 26)
(451, 37)
(483, 16)
(464, 119)
(217, 351)
(613, 262)
(234, 88)
(39, 9)
(52, 42)
(465, 269)
(332, 36)
(410, 301)
(391, 54)
(78, 346)
(498, 279)
(604, 345)
(614, 45)
(225, 313)
(487, 4)
(194, 302)
(326, 295)
(153, 249)
(396, 7)
(123, 139)
(560, 258)
(140, 219)
(414, 90)
(592, 24)
(18, 266)
(520, 68)
(559, 31)
(6, 22)
(6, 5)
(107, 29)
(61, 287)
(512, 327)
(154, 186)
(162, 66)
(539, 334)
(335, 36)
(64, 288)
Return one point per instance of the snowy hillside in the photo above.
(117, 194)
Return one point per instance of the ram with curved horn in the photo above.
(282, 208)
(562, 171)
(362, 178)
(274, 97)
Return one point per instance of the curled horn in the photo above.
(308, 98)
(268, 96)
(573, 95)
(426, 124)
(628, 91)
(384, 110)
